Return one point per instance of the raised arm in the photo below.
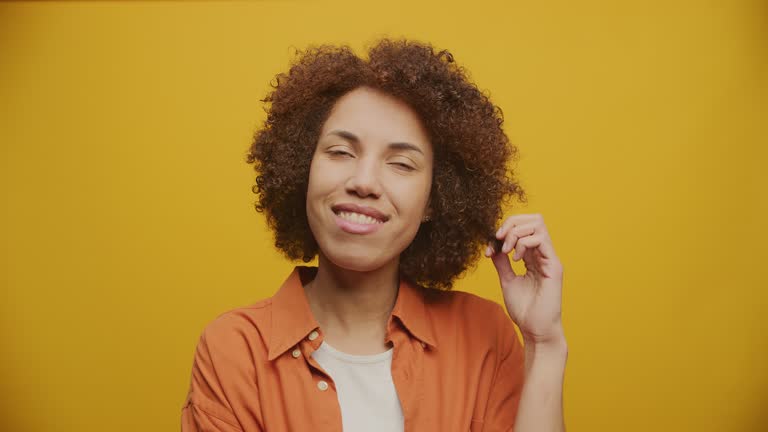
(533, 301)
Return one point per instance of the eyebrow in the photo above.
(349, 136)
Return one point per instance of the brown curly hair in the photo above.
(471, 175)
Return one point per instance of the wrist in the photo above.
(549, 355)
(551, 340)
(550, 348)
(552, 345)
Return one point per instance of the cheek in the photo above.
(318, 181)
(316, 191)
(411, 199)
(323, 183)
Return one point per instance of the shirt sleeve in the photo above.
(507, 385)
(217, 373)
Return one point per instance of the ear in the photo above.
(428, 210)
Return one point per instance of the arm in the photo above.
(541, 401)
(527, 387)
(219, 373)
(534, 301)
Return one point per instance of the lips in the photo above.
(355, 208)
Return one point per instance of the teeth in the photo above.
(358, 218)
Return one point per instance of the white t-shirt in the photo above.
(365, 389)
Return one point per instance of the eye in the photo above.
(338, 152)
(404, 166)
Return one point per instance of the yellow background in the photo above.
(127, 218)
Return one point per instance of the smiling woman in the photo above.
(392, 171)
(455, 126)
(374, 160)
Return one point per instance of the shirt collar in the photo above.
(292, 318)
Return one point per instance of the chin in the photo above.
(356, 259)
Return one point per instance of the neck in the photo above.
(353, 307)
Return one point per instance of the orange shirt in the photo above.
(457, 365)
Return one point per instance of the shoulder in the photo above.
(466, 314)
(461, 304)
(237, 329)
(223, 369)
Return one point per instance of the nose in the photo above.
(364, 180)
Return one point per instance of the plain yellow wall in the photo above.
(128, 220)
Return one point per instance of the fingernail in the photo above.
(498, 233)
(487, 251)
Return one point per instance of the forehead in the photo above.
(376, 116)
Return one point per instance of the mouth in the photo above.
(358, 220)
(358, 214)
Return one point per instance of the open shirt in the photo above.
(457, 365)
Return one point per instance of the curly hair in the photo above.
(471, 175)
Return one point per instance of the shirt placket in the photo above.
(322, 389)
(408, 377)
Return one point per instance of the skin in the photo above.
(356, 283)
(533, 301)
(355, 288)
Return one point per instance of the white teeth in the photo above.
(358, 218)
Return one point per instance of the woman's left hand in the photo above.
(533, 299)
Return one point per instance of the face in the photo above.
(369, 180)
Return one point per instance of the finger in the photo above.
(524, 244)
(515, 233)
(512, 221)
(494, 246)
(540, 241)
(503, 266)
(535, 262)
(539, 231)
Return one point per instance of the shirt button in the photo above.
(296, 353)
(322, 385)
(313, 335)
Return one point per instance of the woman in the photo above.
(392, 171)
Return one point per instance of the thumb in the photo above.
(503, 265)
